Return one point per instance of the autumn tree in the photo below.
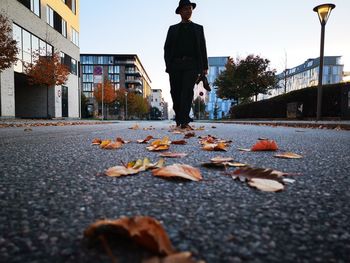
(8, 46)
(245, 78)
(47, 71)
(137, 105)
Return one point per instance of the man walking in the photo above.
(185, 57)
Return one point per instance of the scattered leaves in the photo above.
(215, 147)
(179, 170)
(189, 135)
(135, 127)
(265, 145)
(222, 162)
(288, 155)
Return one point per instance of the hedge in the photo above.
(276, 107)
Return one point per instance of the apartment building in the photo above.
(157, 101)
(215, 107)
(46, 26)
(306, 75)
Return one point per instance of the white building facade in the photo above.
(49, 26)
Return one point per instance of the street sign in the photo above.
(98, 70)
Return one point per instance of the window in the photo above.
(88, 69)
(27, 47)
(49, 15)
(88, 78)
(33, 5)
(71, 4)
(75, 37)
(64, 28)
(73, 66)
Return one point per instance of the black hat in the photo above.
(183, 3)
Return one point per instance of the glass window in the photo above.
(42, 46)
(36, 7)
(35, 44)
(64, 28)
(73, 6)
(49, 16)
(17, 35)
(75, 37)
(27, 49)
(49, 50)
(74, 67)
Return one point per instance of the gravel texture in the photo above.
(50, 192)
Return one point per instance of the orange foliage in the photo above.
(47, 70)
(109, 93)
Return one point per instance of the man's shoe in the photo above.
(186, 127)
(204, 79)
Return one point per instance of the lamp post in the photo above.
(323, 12)
(126, 105)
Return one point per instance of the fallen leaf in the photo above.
(213, 127)
(179, 142)
(200, 128)
(113, 146)
(143, 230)
(250, 172)
(159, 145)
(117, 171)
(219, 159)
(215, 147)
(288, 155)
(237, 164)
(266, 185)
(96, 141)
(173, 155)
(265, 145)
(118, 139)
(179, 170)
(181, 257)
(28, 130)
(189, 135)
(148, 138)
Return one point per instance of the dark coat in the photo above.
(169, 47)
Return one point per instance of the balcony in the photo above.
(133, 81)
(133, 72)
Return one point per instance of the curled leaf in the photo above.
(159, 145)
(189, 135)
(135, 127)
(179, 142)
(219, 159)
(96, 141)
(179, 170)
(265, 145)
(112, 145)
(145, 231)
(117, 171)
(215, 147)
(250, 172)
(149, 137)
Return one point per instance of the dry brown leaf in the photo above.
(288, 155)
(145, 231)
(160, 145)
(250, 172)
(200, 128)
(265, 145)
(149, 137)
(118, 139)
(112, 145)
(179, 142)
(237, 164)
(117, 171)
(179, 170)
(149, 128)
(96, 141)
(215, 147)
(266, 185)
(173, 155)
(244, 150)
(189, 135)
(180, 257)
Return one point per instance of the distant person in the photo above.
(185, 55)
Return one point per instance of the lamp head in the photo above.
(323, 12)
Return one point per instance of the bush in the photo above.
(276, 107)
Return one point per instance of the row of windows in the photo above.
(33, 5)
(97, 60)
(28, 44)
(89, 87)
(90, 77)
(111, 69)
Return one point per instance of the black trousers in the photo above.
(181, 90)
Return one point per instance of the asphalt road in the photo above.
(49, 193)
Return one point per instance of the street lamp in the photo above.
(323, 12)
(126, 105)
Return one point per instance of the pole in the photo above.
(320, 74)
(126, 105)
(103, 117)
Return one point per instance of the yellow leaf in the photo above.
(117, 171)
(104, 143)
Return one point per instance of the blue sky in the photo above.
(273, 29)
